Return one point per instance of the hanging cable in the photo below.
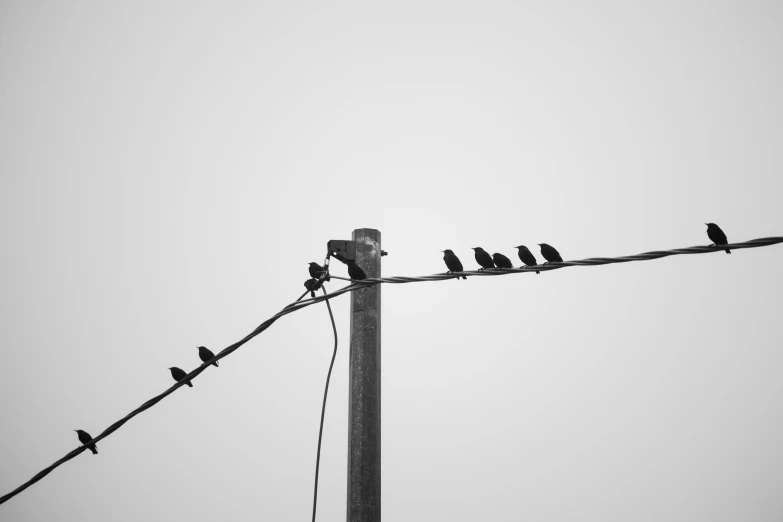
(357, 285)
(323, 408)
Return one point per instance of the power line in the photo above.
(358, 285)
(593, 261)
(152, 402)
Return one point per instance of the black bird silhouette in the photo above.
(716, 234)
(483, 258)
(312, 285)
(316, 270)
(206, 354)
(527, 257)
(501, 261)
(179, 374)
(355, 271)
(85, 438)
(452, 262)
(550, 254)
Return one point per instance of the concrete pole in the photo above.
(364, 417)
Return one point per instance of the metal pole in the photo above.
(364, 417)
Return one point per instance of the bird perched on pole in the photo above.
(312, 285)
(483, 258)
(716, 234)
(527, 257)
(355, 272)
(206, 354)
(501, 261)
(179, 375)
(452, 262)
(85, 438)
(550, 254)
(316, 270)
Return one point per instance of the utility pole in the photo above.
(364, 416)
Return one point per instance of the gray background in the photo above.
(169, 168)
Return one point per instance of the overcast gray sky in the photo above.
(169, 169)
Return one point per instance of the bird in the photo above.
(501, 261)
(312, 285)
(206, 354)
(550, 254)
(452, 262)
(85, 438)
(316, 270)
(483, 258)
(716, 234)
(527, 257)
(179, 374)
(355, 271)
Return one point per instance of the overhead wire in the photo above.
(546, 267)
(152, 402)
(358, 285)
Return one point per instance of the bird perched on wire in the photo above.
(527, 257)
(355, 272)
(85, 438)
(206, 354)
(501, 261)
(316, 270)
(550, 254)
(452, 262)
(483, 258)
(716, 234)
(312, 285)
(179, 375)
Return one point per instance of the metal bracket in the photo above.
(341, 250)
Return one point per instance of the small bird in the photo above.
(483, 258)
(452, 262)
(550, 254)
(527, 257)
(501, 261)
(85, 438)
(206, 354)
(355, 272)
(716, 234)
(312, 285)
(179, 374)
(316, 270)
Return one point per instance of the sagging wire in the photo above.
(357, 285)
(323, 406)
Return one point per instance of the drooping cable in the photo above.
(357, 285)
(323, 408)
